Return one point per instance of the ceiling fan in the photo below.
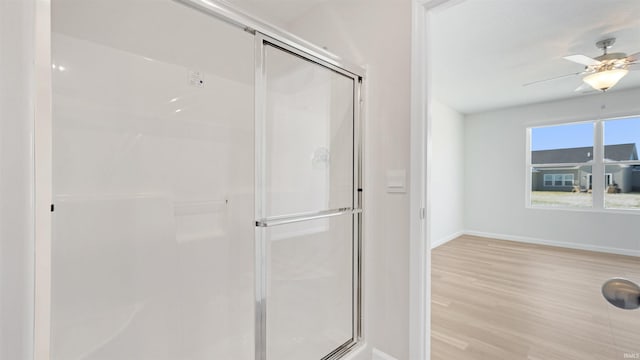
(602, 72)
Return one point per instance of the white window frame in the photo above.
(558, 180)
(564, 179)
(599, 183)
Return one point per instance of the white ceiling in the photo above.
(485, 50)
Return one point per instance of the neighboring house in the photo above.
(564, 178)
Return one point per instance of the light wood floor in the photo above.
(494, 299)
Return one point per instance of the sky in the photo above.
(622, 131)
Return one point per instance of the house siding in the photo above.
(620, 176)
(626, 178)
(635, 180)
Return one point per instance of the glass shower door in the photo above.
(307, 206)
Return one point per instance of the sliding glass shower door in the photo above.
(202, 209)
(307, 205)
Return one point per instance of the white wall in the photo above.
(447, 174)
(377, 33)
(16, 178)
(495, 171)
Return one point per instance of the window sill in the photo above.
(585, 210)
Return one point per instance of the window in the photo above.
(560, 162)
(563, 159)
(621, 165)
(558, 179)
(568, 180)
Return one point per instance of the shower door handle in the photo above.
(268, 222)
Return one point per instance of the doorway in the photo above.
(496, 148)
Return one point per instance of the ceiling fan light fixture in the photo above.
(605, 80)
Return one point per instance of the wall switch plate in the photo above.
(397, 181)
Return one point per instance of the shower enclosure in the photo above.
(207, 187)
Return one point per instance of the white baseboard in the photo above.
(530, 240)
(446, 239)
(379, 355)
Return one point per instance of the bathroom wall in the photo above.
(17, 99)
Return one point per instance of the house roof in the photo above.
(616, 152)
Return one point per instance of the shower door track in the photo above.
(246, 22)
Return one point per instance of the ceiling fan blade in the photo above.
(582, 59)
(634, 57)
(553, 78)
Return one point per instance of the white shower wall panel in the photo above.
(153, 183)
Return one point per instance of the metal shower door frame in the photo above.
(265, 32)
(261, 42)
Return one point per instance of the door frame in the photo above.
(608, 180)
(420, 210)
(43, 181)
